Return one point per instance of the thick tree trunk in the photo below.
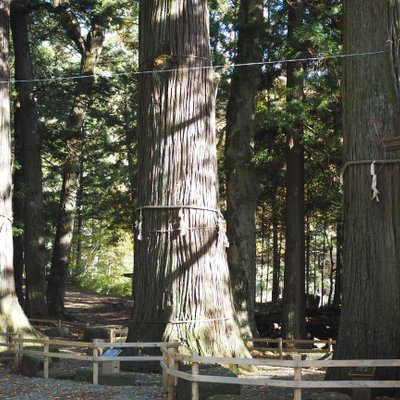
(35, 304)
(18, 210)
(370, 318)
(181, 277)
(12, 317)
(293, 318)
(240, 172)
(90, 51)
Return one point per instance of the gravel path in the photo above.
(15, 386)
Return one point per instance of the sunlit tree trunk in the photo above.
(181, 277)
(370, 318)
(11, 315)
(293, 318)
(240, 172)
(90, 49)
(35, 302)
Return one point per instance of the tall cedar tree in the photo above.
(26, 122)
(370, 318)
(89, 49)
(181, 277)
(12, 318)
(293, 318)
(240, 172)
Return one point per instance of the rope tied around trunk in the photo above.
(182, 225)
(374, 182)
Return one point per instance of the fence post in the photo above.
(112, 335)
(46, 348)
(164, 352)
(18, 347)
(330, 345)
(280, 347)
(297, 378)
(95, 363)
(195, 384)
(171, 378)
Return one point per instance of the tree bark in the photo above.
(181, 277)
(90, 51)
(370, 318)
(276, 256)
(293, 319)
(18, 210)
(35, 302)
(12, 318)
(240, 172)
(337, 296)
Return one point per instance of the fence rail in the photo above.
(297, 366)
(16, 343)
(170, 357)
(290, 345)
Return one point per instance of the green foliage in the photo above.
(104, 284)
(100, 260)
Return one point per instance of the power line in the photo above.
(108, 75)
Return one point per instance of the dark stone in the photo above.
(58, 331)
(184, 388)
(96, 332)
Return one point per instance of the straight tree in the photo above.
(240, 171)
(89, 49)
(370, 318)
(12, 317)
(181, 277)
(293, 318)
(26, 123)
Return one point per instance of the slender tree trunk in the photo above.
(370, 318)
(12, 317)
(79, 224)
(293, 319)
(181, 277)
(276, 259)
(332, 271)
(240, 172)
(90, 50)
(307, 255)
(338, 276)
(35, 305)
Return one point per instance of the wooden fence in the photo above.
(15, 343)
(170, 358)
(290, 346)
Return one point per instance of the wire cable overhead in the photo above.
(110, 74)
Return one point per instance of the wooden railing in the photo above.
(290, 346)
(170, 357)
(170, 360)
(15, 343)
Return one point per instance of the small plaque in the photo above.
(112, 352)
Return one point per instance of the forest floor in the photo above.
(89, 308)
